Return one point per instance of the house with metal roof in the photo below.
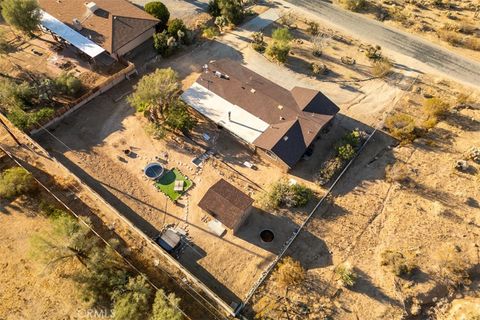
(115, 27)
(277, 122)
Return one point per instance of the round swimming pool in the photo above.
(153, 170)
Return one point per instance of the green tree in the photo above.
(178, 117)
(133, 301)
(232, 10)
(166, 307)
(22, 14)
(159, 11)
(106, 274)
(68, 240)
(177, 29)
(160, 43)
(155, 93)
(16, 181)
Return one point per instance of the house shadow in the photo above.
(370, 163)
(283, 229)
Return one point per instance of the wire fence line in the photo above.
(105, 241)
(205, 303)
(290, 241)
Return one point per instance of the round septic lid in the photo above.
(267, 235)
(153, 170)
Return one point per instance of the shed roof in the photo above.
(226, 203)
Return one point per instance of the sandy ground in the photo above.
(92, 141)
(369, 214)
(27, 290)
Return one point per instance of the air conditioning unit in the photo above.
(77, 24)
(91, 6)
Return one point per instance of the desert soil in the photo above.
(436, 215)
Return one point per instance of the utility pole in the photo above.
(9, 132)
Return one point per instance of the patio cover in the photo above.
(85, 45)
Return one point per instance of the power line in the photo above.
(98, 235)
(165, 271)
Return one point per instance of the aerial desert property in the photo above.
(237, 159)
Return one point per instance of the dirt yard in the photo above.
(454, 23)
(91, 143)
(408, 199)
(28, 291)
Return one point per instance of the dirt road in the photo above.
(430, 55)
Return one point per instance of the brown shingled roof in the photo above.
(114, 24)
(295, 117)
(226, 203)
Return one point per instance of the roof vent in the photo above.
(77, 24)
(280, 107)
(252, 90)
(91, 6)
(285, 138)
(218, 74)
(282, 118)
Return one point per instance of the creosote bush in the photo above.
(289, 273)
(354, 5)
(381, 67)
(68, 84)
(16, 181)
(402, 127)
(210, 32)
(282, 193)
(397, 262)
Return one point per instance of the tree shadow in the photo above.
(463, 122)
(365, 286)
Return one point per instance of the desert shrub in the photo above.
(178, 118)
(354, 5)
(373, 53)
(288, 19)
(319, 43)
(278, 51)
(354, 138)
(346, 275)
(159, 11)
(133, 301)
(25, 120)
(466, 28)
(68, 84)
(160, 43)
(289, 273)
(41, 115)
(221, 22)
(381, 67)
(210, 32)
(177, 29)
(257, 41)
(313, 28)
(472, 43)
(282, 34)
(16, 181)
(232, 10)
(397, 262)
(401, 126)
(328, 170)
(318, 68)
(435, 107)
(399, 15)
(451, 37)
(452, 266)
(282, 193)
(49, 210)
(13, 95)
(346, 152)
